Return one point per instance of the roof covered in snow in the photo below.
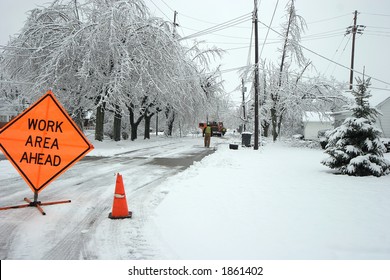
(309, 116)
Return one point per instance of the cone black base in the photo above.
(121, 217)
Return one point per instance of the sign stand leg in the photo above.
(35, 203)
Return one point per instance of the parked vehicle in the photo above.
(217, 128)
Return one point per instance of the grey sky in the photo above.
(327, 22)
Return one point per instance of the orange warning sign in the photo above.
(43, 142)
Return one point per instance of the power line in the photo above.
(200, 20)
(382, 15)
(320, 37)
(378, 35)
(240, 48)
(208, 22)
(219, 27)
(385, 89)
(360, 73)
(219, 35)
(266, 36)
(235, 69)
(328, 19)
(346, 44)
(335, 53)
(349, 38)
(326, 33)
(323, 57)
(172, 10)
(227, 43)
(161, 11)
(377, 27)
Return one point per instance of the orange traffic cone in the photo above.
(119, 206)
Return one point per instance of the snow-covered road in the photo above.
(81, 229)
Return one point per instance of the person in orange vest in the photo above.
(207, 135)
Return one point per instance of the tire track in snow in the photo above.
(81, 243)
(82, 229)
(74, 244)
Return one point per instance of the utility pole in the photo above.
(256, 86)
(174, 23)
(243, 88)
(173, 34)
(353, 29)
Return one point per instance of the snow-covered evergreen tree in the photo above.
(355, 147)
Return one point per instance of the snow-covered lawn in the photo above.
(275, 203)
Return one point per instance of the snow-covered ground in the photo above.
(275, 203)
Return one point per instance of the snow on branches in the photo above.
(108, 56)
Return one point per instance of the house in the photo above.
(313, 122)
(379, 100)
(383, 121)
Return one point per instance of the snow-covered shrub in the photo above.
(355, 147)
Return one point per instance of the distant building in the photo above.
(380, 101)
(313, 122)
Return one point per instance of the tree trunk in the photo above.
(117, 124)
(274, 116)
(133, 131)
(133, 124)
(99, 129)
(170, 118)
(280, 122)
(147, 119)
(284, 48)
(78, 119)
(265, 125)
(274, 120)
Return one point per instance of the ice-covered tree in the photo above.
(292, 30)
(108, 55)
(111, 60)
(355, 147)
(297, 95)
(141, 66)
(45, 54)
(10, 98)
